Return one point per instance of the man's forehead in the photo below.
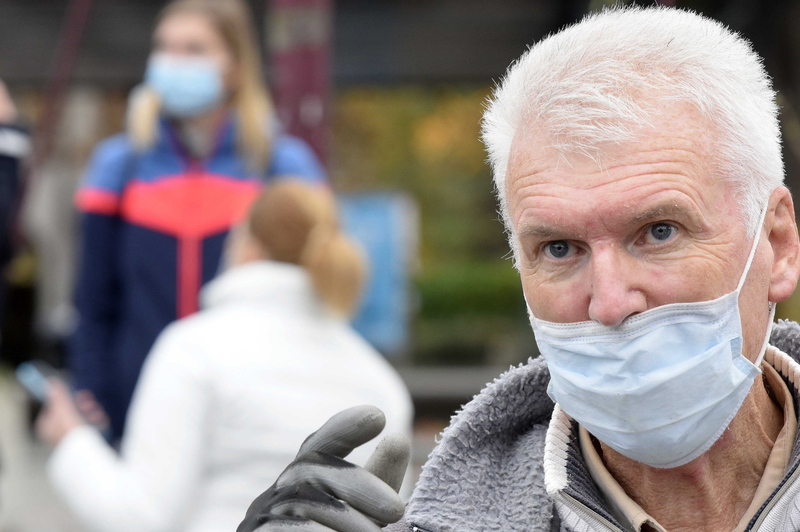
(666, 175)
(676, 141)
(675, 126)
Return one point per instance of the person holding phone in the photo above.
(227, 395)
(42, 380)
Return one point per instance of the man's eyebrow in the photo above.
(540, 231)
(658, 212)
(662, 211)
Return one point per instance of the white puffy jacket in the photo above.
(224, 401)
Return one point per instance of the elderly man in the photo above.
(637, 161)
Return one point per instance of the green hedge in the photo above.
(471, 289)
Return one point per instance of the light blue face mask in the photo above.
(661, 387)
(187, 86)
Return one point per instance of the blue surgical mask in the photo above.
(661, 387)
(187, 86)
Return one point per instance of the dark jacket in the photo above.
(14, 147)
(153, 227)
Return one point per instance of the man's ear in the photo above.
(785, 245)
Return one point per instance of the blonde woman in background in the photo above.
(228, 395)
(159, 199)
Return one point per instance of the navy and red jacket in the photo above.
(153, 226)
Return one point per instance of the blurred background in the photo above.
(389, 94)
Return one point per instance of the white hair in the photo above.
(593, 84)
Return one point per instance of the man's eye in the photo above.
(660, 232)
(558, 249)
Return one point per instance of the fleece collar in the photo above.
(497, 465)
(486, 473)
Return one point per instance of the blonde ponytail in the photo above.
(142, 117)
(296, 223)
(337, 267)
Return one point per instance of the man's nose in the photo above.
(615, 294)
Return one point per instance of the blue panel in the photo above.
(108, 167)
(385, 225)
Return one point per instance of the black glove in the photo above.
(320, 492)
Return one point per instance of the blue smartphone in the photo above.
(34, 381)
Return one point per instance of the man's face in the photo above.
(653, 225)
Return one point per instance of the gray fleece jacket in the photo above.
(510, 461)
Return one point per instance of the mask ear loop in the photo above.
(772, 305)
(753, 248)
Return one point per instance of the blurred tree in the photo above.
(426, 141)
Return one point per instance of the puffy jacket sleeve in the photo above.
(97, 290)
(151, 484)
(291, 156)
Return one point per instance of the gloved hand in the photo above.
(321, 492)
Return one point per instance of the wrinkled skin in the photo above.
(651, 223)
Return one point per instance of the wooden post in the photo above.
(299, 34)
(64, 61)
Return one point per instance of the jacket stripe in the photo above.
(196, 204)
(97, 201)
(190, 259)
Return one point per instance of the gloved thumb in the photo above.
(390, 460)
